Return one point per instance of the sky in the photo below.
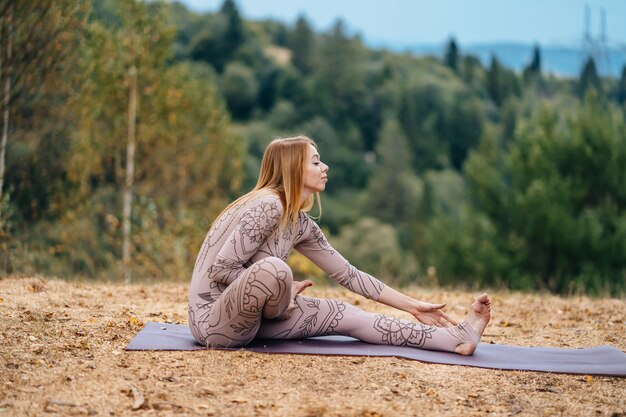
(395, 23)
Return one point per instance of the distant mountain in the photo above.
(558, 60)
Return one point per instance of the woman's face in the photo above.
(315, 172)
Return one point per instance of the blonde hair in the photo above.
(282, 174)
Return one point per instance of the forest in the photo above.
(128, 125)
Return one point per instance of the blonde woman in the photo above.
(242, 287)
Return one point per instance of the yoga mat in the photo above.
(603, 360)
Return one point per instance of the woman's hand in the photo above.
(426, 313)
(296, 288)
(431, 314)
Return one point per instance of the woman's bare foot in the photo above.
(478, 317)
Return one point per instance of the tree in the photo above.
(393, 189)
(240, 90)
(557, 200)
(302, 43)
(451, 58)
(140, 45)
(421, 115)
(463, 128)
(469, 71)
(533, 69)
(234, 34)
(621, 88)
(589, 78)
(33, 42)
(340, 81)
(218, 44)
(373, 246)
(501, 83)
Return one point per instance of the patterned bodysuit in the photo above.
(241, 287)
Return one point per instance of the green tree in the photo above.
(421, 115)
(501, 83)
(470, 69)
(451, 57)
(240, 89)
(373, 247)
(621, 88)
(589, 78)
(340, 77)
(463, 128)
(578, 239)
(234, 35)
(219, 43)
(557, 202)
(302, 44)
(394, 190)
(533, 69)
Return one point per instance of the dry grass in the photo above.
(62, 353)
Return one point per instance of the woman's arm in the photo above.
(315, 247)
(426, 313)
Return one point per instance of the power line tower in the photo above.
(596, 47)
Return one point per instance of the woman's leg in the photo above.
(262, 291)
(319, 317)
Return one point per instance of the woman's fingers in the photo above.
(449, 319)
(299, 286)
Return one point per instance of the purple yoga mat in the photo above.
(603, 360)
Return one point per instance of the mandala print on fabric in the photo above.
(337, 316)
(224, 270)
(244, 328)
(309, 322)
(402, 333)
(320, 238)
(195, 330)
(362, 283)
(228, 217)
(260, 221)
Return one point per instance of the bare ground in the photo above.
(61, 353)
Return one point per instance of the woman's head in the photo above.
(291, 167)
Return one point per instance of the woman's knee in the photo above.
(273, 272)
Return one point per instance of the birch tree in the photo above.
(123, 64)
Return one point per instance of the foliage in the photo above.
(373, 247)
(557, 200)
(533, 69)
(240, 89)
(302, 43)
(589, 78)
(451, 57)
(493, 177)
(621, 89)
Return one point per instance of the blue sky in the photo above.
(410, 22)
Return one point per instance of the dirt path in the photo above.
(61, 353)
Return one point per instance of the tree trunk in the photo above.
(7, 91)
(130, 172)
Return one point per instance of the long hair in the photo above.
(282, 174)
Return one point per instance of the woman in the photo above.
(242, 287)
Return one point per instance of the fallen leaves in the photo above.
(138, 399)
(135, 322)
